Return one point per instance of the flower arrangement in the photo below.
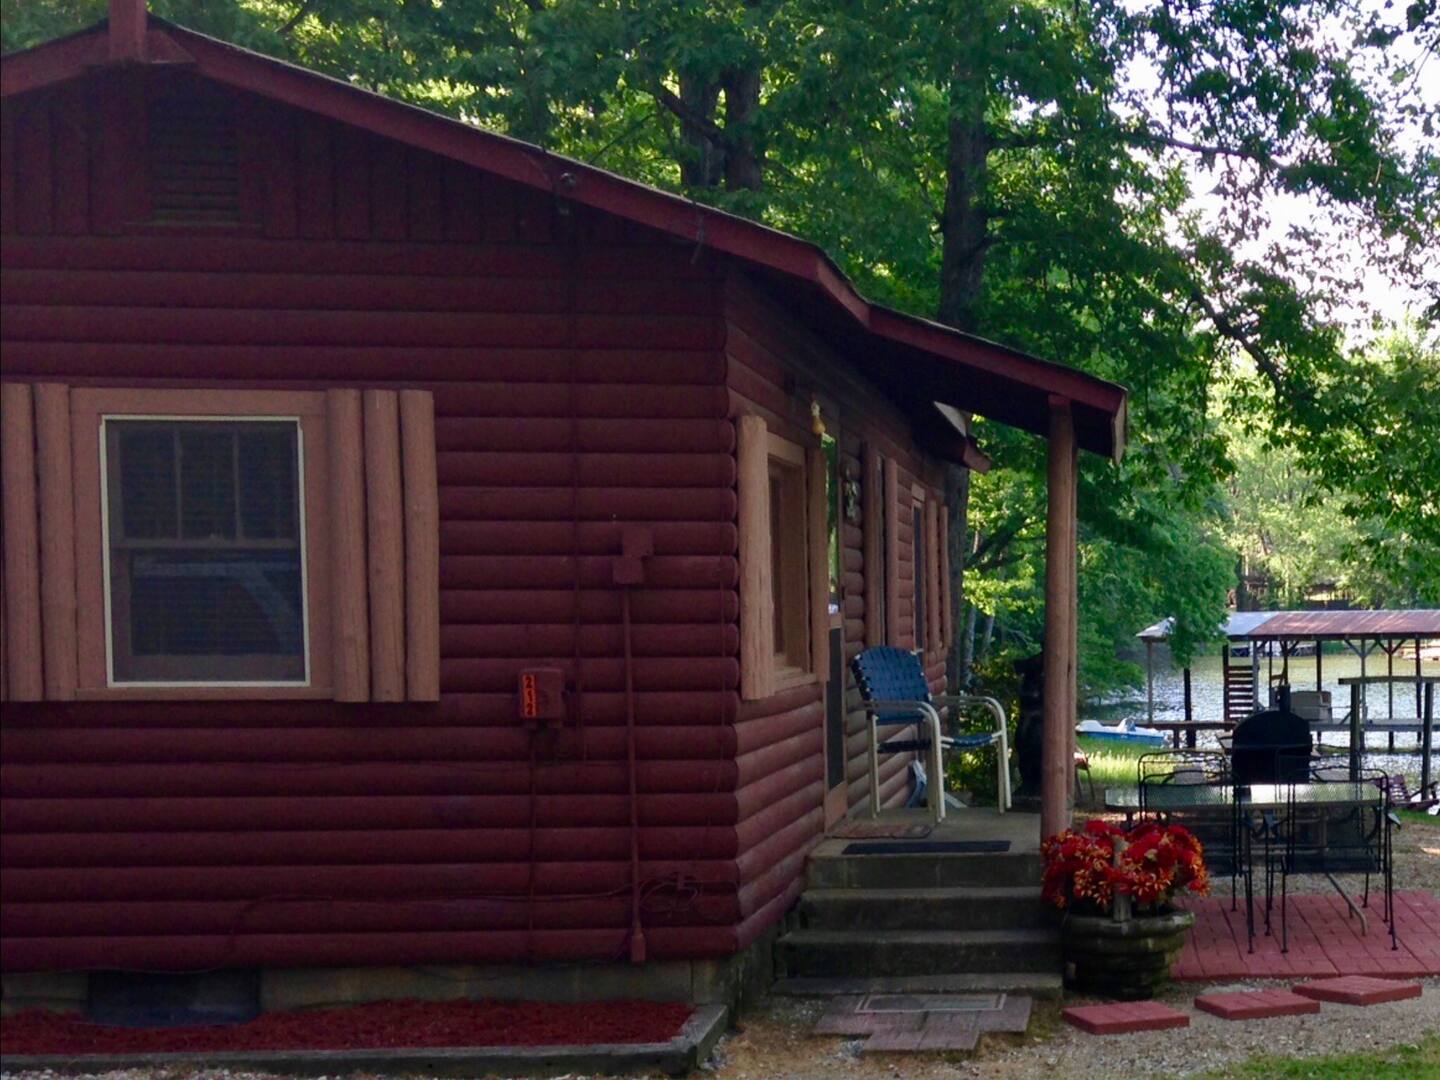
(1086, 869)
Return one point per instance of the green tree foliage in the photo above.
(1022, 169)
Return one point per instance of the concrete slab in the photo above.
(1123, 1018)
(1256, 1004)
(1359, 990)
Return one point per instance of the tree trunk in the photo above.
(743, 160)
(963, 232)
(965, 219)
(967, 649)
(702, 159)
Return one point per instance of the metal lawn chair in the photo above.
(892, 683)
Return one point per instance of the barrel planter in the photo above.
(1127, 959)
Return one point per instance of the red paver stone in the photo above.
(1125, 1017)
(1359, 990)
(1256, 1004)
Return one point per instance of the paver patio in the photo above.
(1325, 939)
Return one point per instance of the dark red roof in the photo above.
(918, 360)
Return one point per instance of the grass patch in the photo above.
(1419, 817)
(1111, 764)
(1408, 1061)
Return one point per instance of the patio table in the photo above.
(1254, 797)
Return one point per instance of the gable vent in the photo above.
(194, 162)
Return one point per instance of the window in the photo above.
(220, 543)
(788, 544)
(784, 565)
(205, 562)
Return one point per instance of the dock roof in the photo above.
(1318, 625)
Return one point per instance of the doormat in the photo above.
(928, 847)
(879, 830)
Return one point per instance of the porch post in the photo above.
(1059, 661)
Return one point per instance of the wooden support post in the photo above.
(1189, 710)
(1390, 646)
(1059, 665)
(1427, 726)
(1319, 666)
(757, 598)
(1150, 682)
(1418, 713)
(1357, 706)
(1072, 563)
(872, 530)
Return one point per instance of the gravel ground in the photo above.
(775, 1045)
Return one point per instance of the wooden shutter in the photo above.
(422, 545)
(817, 544)
(394, 573)
(892, 551)
(24, 678)
(757, 600)
(39, 589)
(349, 609)
(872, 540)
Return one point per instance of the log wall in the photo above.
(578, 372)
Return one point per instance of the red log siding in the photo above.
(579, 378)
(775, 365)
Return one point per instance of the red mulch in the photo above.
(386, 1024)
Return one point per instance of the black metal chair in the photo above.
(892, 683)
(1193, 788)
(1351, 837)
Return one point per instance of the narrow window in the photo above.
(205, 556)
(788, 543)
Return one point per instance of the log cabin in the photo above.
(424, 550)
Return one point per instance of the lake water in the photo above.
(1206, 694)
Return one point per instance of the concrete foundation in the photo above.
(730, 982)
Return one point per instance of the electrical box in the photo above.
(542, 695)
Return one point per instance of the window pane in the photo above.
(146, 472)
(267, 482)
(777, 559)
(199, 604)
(207, 483)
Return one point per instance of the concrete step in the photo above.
(963, 907)
(1039, 984)
(925, 870)
(832, 953)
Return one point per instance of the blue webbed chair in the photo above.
(893, 686)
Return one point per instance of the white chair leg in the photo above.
(874, 766)
(937, 779)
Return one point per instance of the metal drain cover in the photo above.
(908, 1003)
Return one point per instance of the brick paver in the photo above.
(1359, 990)
(1125, 1017)
(1325, 939)
(1256, 1004)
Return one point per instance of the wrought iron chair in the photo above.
(1318, 837)
(1193, 788)
(892, 684)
